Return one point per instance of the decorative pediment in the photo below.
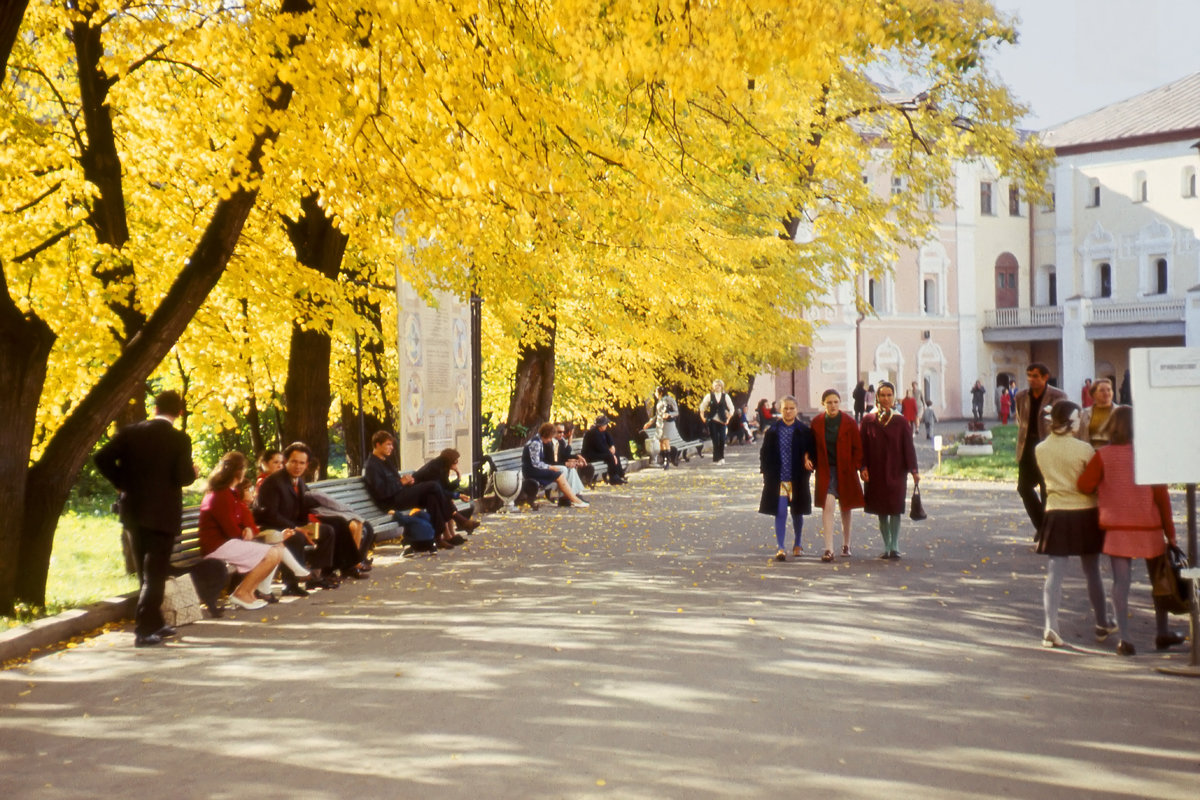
(1098, 244)
(933, 257)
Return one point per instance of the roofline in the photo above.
(1131, 141)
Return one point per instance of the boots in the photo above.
(675, 456)
(465, 524)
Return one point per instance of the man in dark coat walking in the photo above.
(150, 463)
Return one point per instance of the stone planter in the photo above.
(974, 450)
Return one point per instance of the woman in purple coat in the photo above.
(888, 459)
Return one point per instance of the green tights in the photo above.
(889, 529)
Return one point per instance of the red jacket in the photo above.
(849, 462)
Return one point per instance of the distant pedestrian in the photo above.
(928, 418)
(1005, 406)
(150, 462)
(977, 395)
(888, 458)
(716, 409)
(839, 458)
(666, 411)
(1126, 390)
(869, 400)
(1087, 394)
(859, 396)
(1071, 524)
(786, 460)
(909, 408)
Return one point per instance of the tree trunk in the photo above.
(626, 427)
(25, 344)
(306, 415)
(46, 485)
(11, 14)
(319, 246)
(533, 389)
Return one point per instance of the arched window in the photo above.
(1140, 187)
(1160, 276)
(1093, 195)
(1189, 182)
(1006, 280)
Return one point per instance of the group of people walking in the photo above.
(880, 454)
(1075, 477)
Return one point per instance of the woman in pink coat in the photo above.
(1136, 521)
(839, 458)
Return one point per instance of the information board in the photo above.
(1165, 384)
(435, 378)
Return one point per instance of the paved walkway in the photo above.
(644, 648)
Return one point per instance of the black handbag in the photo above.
(916, 509)
(1183, 586)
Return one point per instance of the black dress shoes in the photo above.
(165, 632)
(352, 572)
(294, 590)
(149, 640)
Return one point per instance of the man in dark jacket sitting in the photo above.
(598, 445)
(283, 503)
(399, 493)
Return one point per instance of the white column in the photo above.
(1078, 353)
(1065, 196)
(1191, 317)
(970, 336)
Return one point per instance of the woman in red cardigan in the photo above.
(839, 459)
(1136, 520)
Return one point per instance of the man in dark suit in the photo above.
(150, 463)
(283, 503)
(1032, 427)
(598, 445)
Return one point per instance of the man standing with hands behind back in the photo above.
(150, 463)
(1032, 426)
(715, 409)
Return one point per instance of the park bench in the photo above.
(351, 492)
(506, 481)
(683, 446)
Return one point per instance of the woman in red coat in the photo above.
(839, 458)
(908, 407)
(888, 459)
(1136, 520)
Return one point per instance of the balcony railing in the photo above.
(1098, 314)
(1036, 317)
(1126, 313)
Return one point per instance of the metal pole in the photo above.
(476, 398)
(362, 420)
(1191, 524)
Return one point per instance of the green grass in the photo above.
(1001, 466)
(86, 565)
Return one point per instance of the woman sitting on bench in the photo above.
(534, 466)
(227, 532)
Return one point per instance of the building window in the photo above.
(1160, 276)
(1045, 288)
(1140, 187)
(897, 186)
(871, 289)
(1189, 182)
(1014, 202)
(1093, 198)
(1052, 288)
(1105, 279)
(929, 296)
(985, 199)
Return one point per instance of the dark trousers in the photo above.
(717, 431)
(320, 558)
(152, 549)
(1032, 488)
(429, 496)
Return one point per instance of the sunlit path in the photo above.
(646, 647)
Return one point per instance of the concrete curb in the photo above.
(21, 641)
